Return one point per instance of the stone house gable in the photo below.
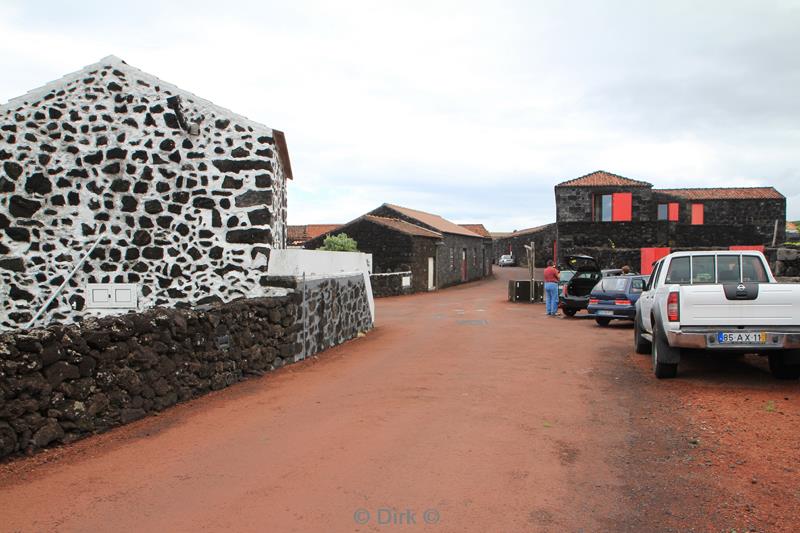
(187, 197)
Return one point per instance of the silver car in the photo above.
(506, 261)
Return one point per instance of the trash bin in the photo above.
(537, 292)
(519, 290)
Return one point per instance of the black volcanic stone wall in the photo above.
(62, 383)
(333, 310)
(574, 237)
(574, 204)
(390, 284)
(189, 218)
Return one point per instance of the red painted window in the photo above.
(697, 214)
(754, 247)
(621, 206)
(650, 256)
(673, 211)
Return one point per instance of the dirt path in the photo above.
(459, 412)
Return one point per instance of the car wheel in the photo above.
(640, 344)
(569, 312)
(781, 370)
(603, 321)
(662, 350)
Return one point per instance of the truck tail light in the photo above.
(622, 302)
(673, 307)
(565, 291)
(593, 301)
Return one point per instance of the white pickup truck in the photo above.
(718, 301)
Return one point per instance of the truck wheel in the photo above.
(662, 350)
(781, 370)
(569, 312)
(603, 322)
(640, 344)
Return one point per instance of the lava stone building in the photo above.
(178, 196)
(624, 221)
(395, 245)
(440, 253)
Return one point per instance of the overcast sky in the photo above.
(472, 110)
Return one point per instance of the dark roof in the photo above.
(724, 193)
(480, 229)
(601, 178)
(434, 221)
(528, 231)
(401, 226)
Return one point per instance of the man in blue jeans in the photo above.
(551, 275)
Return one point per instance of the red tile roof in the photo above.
(601, 178)
(480, 229)
(402, 226)
(301, 234)
(725, 193)
(434, 221)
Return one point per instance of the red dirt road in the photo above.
(459, 412)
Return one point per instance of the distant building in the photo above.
(297, 236)
(438, 252)
(620, 220)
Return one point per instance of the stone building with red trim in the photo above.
(620, 220)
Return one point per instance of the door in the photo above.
(463, 264)
(431, 272)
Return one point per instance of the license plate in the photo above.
(752, 337)
(605, 313)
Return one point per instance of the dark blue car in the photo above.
(615, 298)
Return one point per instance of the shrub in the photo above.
(339, 243)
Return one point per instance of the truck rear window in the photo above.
(700, 269)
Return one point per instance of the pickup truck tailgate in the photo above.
(706, 305)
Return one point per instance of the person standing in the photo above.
(551, 276)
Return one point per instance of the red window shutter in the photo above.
(650, 256)
(621, 206)
(697, 214)
(673, 211)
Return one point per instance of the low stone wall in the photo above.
(61, 383)
(391, 284)
(787, 262)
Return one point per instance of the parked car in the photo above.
(608, 272)
(615, 298)
(575, 293)
(506, 260)
(718, 301)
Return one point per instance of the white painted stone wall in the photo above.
(189, 198)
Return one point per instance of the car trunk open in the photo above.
(586, 276)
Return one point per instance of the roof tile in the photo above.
(601, 178)
(724, 193)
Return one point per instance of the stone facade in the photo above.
(187, 197)
(731, 217)
(61, 383)
(475, 250)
